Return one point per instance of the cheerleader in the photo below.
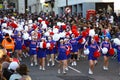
(106, 44)
(42, 53)
(74, 51)
(62, 58)
(93, 47)
(69, 47)
(18, 46)
(32, 49)
(50, 51)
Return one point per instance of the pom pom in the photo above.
(47, 34)
(91, 32)
(96, 54)
(44, 26)
(4, 24)
(104, 50)
(39, 35)
(111, 51)
(84, 33)
(34, 26)
(51, 33)
(82, 41)
(55, 30)
(86, 51)
(30, 22)
(13, 24)
(40, 20)
(19, 28)
(62, 34)
(48, 45)
(23, 47)
(74, 27)
(46, 22)
(56, 37)
(57, 27)
(116, 41)
(51, 46)
(58, 23)
(96, 38)
(25, 36)
(64, 27)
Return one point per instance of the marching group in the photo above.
(65, 41)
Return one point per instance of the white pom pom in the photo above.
(19, 28)
(86, 51)
(25, 36)
(10, 32)
(43, 22)
(5, 18)
(48, 45)
(39, 18)
(91, 32)
(104, 50)
(26, 28)
(4, 24)
(41, 44)
(47, 34)
(30, 21)
(56, 37)
(58, 23)
(22, 23)
(44, 26)
(116, 41)
(55, 30)
(62, 35)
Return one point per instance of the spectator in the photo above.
(1, 75)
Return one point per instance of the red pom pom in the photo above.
(76, 34)
(96, 54)
(15, 60)
(87, 30)
(67, 52)
(44, 44)
(57, 27)
(40, 21)
(14, 25)
(81, 40)
(96, 38)
(23, 47)
(111, 51)
(74, 27)
(51, 33)
(74, 30)
(51, 46)
(46, 22)
(64, 27)
(34, 26)
(84, 33)
(8, 23)
(39, 35)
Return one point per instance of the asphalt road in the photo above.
(79, 72)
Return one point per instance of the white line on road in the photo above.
(71, 68)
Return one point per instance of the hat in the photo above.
(13, 65)
(5, 65)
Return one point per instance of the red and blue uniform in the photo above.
(32, 47)
(92, 48)
(18, 43)
(106, 45)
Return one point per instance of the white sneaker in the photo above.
(64, 72)
(105, 68)
(58, 71)
(40, 67)
(90, 72)
(72, 64)
(43, 69)
(36, 63)
(31, 64)
(75, 63)
(53, 64)
(24, 55)
(48, 64)
(66, 68)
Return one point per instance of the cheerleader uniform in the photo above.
(18, 43)
(54, 50)
(33, 45)
(62, 52)
(106, 45)
(68, 45)
(92, 48)
(74, 43)
(41, 52)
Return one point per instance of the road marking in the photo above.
(71, 68)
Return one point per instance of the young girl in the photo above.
(62, 58)
(32, 49)
(106, 44)
(18, 45)
(42, 53)
(93, 47)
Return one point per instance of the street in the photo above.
(79, 72)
